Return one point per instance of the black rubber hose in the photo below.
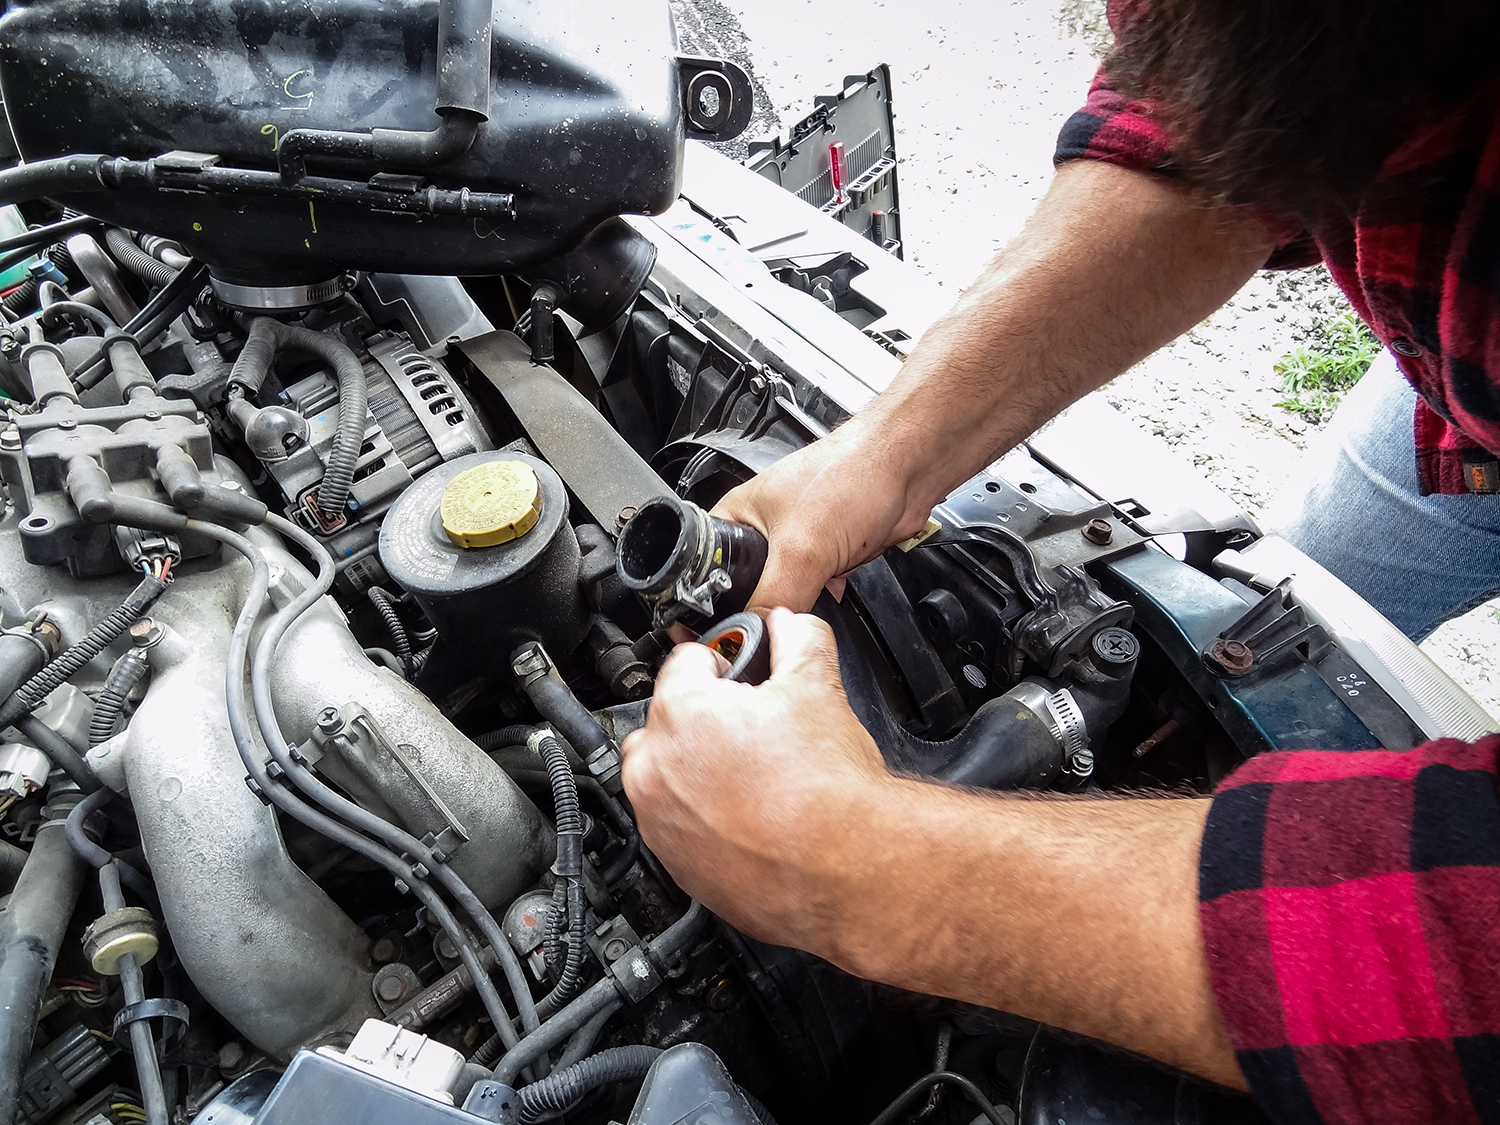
(560, 707)
(60, 751)
(31, 933)
(12, 863)
(128, 671)
(36, 689)
(267, 337)
(97, 317)
(155, 274)
(153, 319)
(38, 237)
(995, 749)
(561, 1090)
(385, 606)
(62, 175)
(20, 659)
(96, 856)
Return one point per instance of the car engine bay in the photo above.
(358, 450)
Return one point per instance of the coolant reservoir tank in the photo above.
(484, 545)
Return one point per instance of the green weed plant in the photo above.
(1314, 379)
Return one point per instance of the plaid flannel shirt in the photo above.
(1419, 259)
(1350, 902)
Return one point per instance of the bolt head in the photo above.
(390, 988)
(232, 1055)
(329, 720)
(145, 633)
(445, 947)
(615, 949)
(627, 513)
(1098, 531)
(1232, 656)
(383, 951)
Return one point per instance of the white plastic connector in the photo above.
(405, 1058)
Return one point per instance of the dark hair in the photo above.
(1293, 105)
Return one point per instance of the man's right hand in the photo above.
(824, 509)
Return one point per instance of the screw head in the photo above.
(1098, 531)
(615, 949)
(329, 720)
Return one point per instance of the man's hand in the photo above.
(739, 790)
(771, 805)
(824, 510)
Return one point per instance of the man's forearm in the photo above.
(1113, 265)
(1078, 913)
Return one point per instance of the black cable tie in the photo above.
(169, 1011)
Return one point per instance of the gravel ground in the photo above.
(980, 88)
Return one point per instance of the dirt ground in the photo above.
(980, 89)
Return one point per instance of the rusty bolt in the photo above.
(1098, 531)
(626, 515)
(391, 988)
(1234, 657)
(145, 633)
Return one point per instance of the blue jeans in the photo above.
(1419, 560)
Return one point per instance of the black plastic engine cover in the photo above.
(585, 122)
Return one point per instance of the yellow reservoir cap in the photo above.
(491, 503)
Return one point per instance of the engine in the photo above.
(367, 385)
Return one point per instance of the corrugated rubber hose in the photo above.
(561, 1090)
(30, 694)
(568, 869)
(137, 261)
(128, 671)
(385, 605)
(266, 338)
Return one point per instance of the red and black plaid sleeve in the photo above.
(1350, 905)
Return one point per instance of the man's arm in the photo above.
(1081, 914)
(1112, 265)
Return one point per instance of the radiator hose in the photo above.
(1006, 744)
